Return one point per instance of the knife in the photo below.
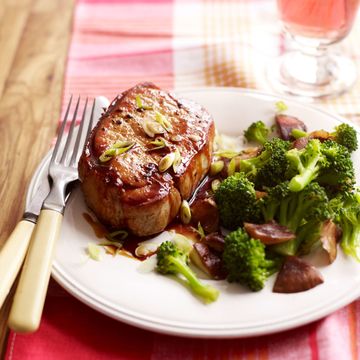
(12, 254)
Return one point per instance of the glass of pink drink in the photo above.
(311, 71)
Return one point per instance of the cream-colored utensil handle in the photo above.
(30, 294)
(12, 256)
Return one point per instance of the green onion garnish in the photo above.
(177, 161)
(118, 235)
(140, 104)
(159, 143)
(229, 154)
(281, 106)
(185, 212)
(200, 231)
(118, 148)
(163, 121)
(166, 162)
(93, 251)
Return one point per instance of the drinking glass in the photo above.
(311, 70)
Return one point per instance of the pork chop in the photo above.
(119, 169)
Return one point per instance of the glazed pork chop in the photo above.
(148, 151)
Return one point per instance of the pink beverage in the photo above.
(328, 20)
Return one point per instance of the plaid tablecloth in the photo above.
(180, 44)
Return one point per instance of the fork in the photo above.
(30, 295)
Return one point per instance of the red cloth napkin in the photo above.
(71, 330)
(115, 44)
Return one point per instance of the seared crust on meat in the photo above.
(129, 191)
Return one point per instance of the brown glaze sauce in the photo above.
(132, 241)
(98, 228)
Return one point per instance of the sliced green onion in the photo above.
(177, 161)
(215, 184)
(228, 154)
(234, 166)
(117, 244)
(166, 162)
(152, 128)
(159, 143)
(185, 212)
(183, 243)
(231, 167)
(163, 121)
(146, 249)
(117, 235)
(118, 148)
(216, 167)
(138, 102)
(200, 231)
(297, 133)
(93, 251)
(281, 106)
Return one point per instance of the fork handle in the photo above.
(12, 256)
(30, 294)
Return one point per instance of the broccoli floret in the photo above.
(350, 225)
(293, 209)
(270, 167)
(347, 214)
(244, 258)
(306, 164)
(345, 135)
(328, 162)
(308, 236)
(236, 201)
(257, 132)
(338, 171)
(170, 260)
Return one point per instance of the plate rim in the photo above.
(233, 331)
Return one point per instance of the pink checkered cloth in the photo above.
(175, 44)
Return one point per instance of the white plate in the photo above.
(115, 287)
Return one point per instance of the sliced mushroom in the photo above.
(205, 212)
(297, 275)
(269, 233)
(286, 124)
(249, 153)
(215, 241)
(338, 233)
(260, 194)
(207, 261)
(301, 143)
(321, 135)
(328, 237)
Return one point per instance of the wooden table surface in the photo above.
(34, 39)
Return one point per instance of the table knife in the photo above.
(14, 250)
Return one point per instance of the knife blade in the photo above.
(12, 254)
